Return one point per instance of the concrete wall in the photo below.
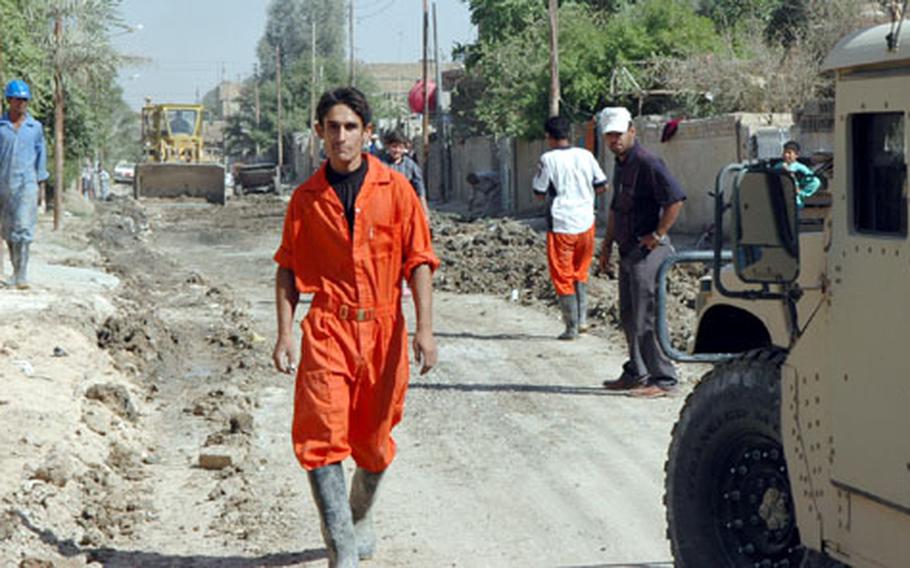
(525, 154)
(695, 154)
(469, 155)
(700, 149)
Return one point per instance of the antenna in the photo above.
(897, 22)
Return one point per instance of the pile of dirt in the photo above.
(507, 258)
(491, 256)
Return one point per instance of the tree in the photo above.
(81, 53)
(288, 26)
(773, 66)
(80, 76)
(592, 42)
(729, 15)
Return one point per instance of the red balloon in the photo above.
(415, 96)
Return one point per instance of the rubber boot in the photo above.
(329, 493)
(581, 292)
(569, 307)
(13, 260)
(22, 265)
(363, 494)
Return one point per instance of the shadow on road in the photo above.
(129, 559)
(496, 336)
(112, 558)
(504, 387)
(663, 564)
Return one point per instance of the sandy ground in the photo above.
(161, 319)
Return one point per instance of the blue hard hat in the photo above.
(17, 89)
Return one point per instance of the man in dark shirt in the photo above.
(646, 202)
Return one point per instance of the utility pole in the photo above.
(58, 119)
(426, 90)
(554, 58)
(440, 116)
(278, 85)
(313, 91)
(256, 100)
(256, 90)
(351, 42)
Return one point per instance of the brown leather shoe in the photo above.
(623, 383)
(648, 391)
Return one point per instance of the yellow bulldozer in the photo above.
(174, 163)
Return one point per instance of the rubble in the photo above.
(507, 258)
(115, 397)
(219, 458)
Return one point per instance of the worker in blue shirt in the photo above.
(23, 168)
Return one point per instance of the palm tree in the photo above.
(76, 35)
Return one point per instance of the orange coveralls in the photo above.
(569, 259)
(353, 373)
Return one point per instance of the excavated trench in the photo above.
(196, 467)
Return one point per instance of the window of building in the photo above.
(879, 168)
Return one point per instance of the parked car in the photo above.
(124, 172)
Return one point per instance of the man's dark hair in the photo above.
(792, 145)
(394, 137)
(350, 97)
(558, 127)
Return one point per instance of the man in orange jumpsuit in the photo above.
(351, 232)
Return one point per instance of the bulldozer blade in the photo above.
(176, 180)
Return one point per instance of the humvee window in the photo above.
(879, 167)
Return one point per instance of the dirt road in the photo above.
(510, 453)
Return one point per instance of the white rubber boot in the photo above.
(581, 292)
(330, 495)
(364, 486)
(21, 275)
(11, 281)
(569, 307)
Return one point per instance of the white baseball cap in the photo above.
(614, 119)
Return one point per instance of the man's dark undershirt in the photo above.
(347, 188)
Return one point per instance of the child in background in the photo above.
(807, 183)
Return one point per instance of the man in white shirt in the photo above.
(569, 178)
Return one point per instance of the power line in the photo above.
(388, 4)
(370, 5)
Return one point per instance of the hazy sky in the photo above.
(191, 44)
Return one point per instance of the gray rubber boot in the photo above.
(581, 292)
(363, 494)
(569, 307)
(329, 492)
(21, 276)
(13, 260)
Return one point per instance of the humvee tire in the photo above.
(727, 492)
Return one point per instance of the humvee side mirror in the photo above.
(765, 227)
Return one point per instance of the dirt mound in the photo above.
(115, 397)
(491, 256)
(508, 258)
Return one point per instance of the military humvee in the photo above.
(795, 449)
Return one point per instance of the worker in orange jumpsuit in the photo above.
(351, 232)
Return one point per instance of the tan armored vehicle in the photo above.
(795, 449)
